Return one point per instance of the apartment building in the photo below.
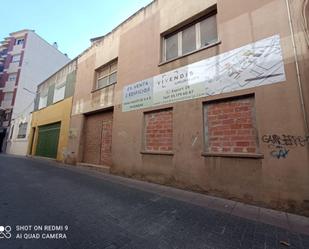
(51, 116)
(26, 60)
(206, 95)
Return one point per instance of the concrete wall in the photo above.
(280, 183)
(59, 112)
(40, 60)
(18, 146)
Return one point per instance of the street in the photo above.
(48, 205)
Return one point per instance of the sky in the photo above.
(69, 23)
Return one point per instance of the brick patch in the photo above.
(159, 130)
(97, 147)
(230, 126)
(106, 146)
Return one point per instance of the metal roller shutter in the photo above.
(48, 138)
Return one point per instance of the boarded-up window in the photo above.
(230, 126)
(159, 131)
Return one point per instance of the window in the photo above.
(43, 101)
(159, 131)
(12, 77)
(16, 58)
(230, 126)
(59, 92)
(22, 131)
(190, 38)
(171, 44)
(19, 41)
(208, 29)
(106, 75)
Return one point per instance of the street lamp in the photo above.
(29, 91)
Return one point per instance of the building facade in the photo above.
(194, 95)
(51, 116)
(27, 60)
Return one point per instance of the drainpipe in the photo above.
(297, 70)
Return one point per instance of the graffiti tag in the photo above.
(279, 152)
(280, 145)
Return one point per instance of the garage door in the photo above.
(98, 138)
(48, 138)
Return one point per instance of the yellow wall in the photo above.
(59, 112)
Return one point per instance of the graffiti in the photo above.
(279, 152)
(286, 140)
(280, 145)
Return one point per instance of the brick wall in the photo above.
(106, 146)
(230, 126)
(159, 130)
(3, 79)
(97, 147)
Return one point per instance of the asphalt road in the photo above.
(70, 208)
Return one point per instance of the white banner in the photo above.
(253, 65)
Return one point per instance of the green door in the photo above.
(48, 138)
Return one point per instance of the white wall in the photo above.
(40, 61)
(18, 146)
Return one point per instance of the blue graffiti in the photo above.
(280, 152)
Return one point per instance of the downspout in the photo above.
(297, 70)
(305, 22)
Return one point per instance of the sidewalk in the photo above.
(291, 222)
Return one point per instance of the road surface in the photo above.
(46, 205)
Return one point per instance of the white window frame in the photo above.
(57, 89)
(43, 101)
(14, 60)
(197, 39)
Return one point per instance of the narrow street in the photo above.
(92, 210)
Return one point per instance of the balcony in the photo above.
(5, 43)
